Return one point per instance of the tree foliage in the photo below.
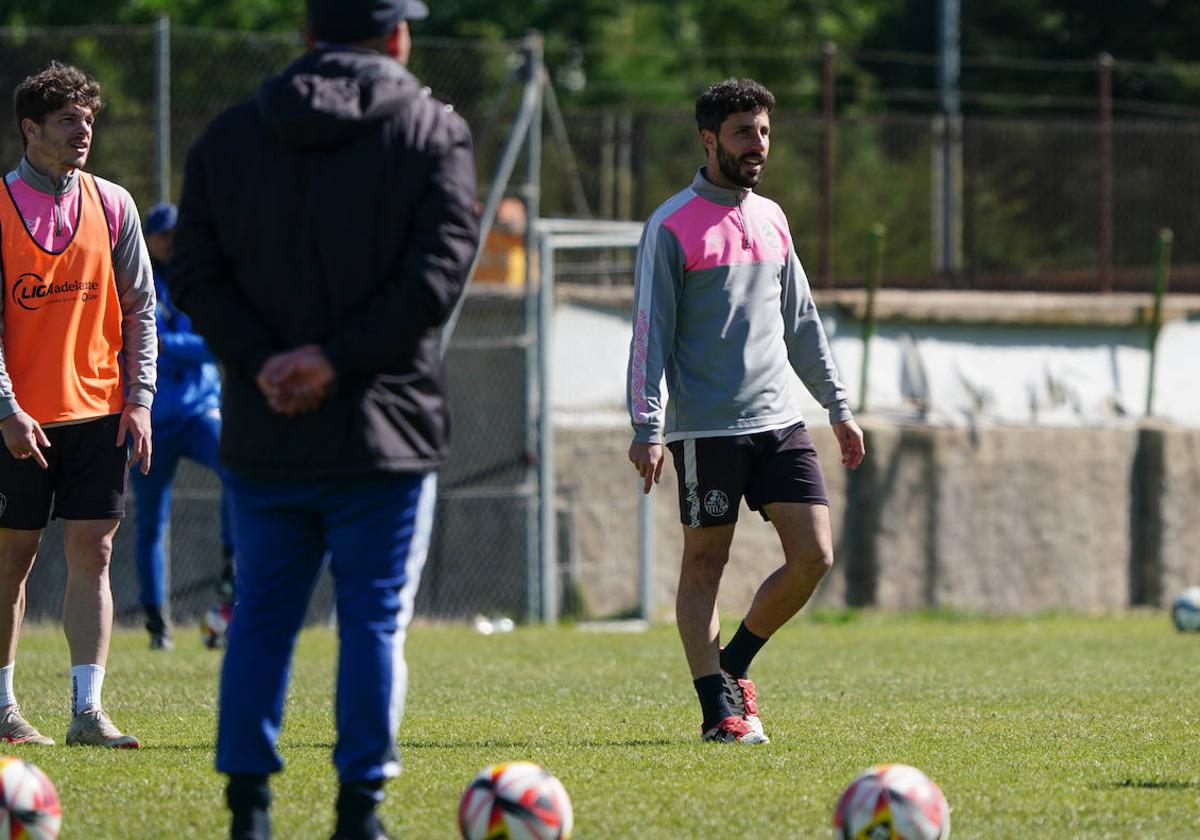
(654, 51)
(253, 15)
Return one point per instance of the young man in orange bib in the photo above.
(77, 374)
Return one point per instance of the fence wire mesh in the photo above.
(1030, 198)
(1032, 216)
(479, 553)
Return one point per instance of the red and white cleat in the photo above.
(742, 697)
(732, 730)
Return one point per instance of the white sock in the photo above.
(7, 698)
(86, 682)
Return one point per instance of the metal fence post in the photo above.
(162, 100)
(645, 555)
(1162, 268)
(950, 198)
(875, 244)
(547, 484)
(1105, 166)
(539, 522)
(828, 95)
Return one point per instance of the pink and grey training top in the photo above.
(723, 312)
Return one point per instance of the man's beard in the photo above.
(67, 155)
(731, 168)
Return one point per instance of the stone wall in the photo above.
(978, 519)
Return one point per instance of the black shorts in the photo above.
(86, 477)
(716, 472)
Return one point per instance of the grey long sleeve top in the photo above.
(723, 312)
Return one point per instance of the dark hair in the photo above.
(732, 96)
(51, 89)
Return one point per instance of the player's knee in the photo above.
(15, 564)
(91, 555)
(16, 557)
(705, 564)
(816, 561)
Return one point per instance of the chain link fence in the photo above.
(487, 494)
(1032, 216)
(1030, 197)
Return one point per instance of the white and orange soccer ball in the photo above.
(892, 802)
(214, 626)
(29, 802)
(516, 800)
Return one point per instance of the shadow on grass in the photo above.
(1148, 784)
(421, 745)
(487, 742)
(211, 747)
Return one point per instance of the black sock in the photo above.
(740, 652)
(711, 691)
(249, 800)
(356, 804)
(155, 622)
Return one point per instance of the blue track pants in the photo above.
(195, 438)
(375, 533)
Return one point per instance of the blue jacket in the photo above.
(189, 383)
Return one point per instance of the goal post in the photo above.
(599, 255)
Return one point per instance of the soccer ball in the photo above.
(892, 802)
(29, 802)
(214, 627)
(1185, 612)
(516, 800)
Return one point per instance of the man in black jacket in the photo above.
(325, 232)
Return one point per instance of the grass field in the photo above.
(1055, 727)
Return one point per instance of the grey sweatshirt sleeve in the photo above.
(657, 281)
(808, 349)
(8, 401)
(135, 289)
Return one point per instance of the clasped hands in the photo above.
(296, 381)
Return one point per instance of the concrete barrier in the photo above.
(1005, 520)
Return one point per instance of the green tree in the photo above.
(250, 15)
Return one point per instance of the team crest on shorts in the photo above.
(3, 504)
(716, 503)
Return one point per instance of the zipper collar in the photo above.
(705, 188)
(43, 183)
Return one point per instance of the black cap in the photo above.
(351, 21)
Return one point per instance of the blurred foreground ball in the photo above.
(516, 800)
(31, 810)
(892, 802)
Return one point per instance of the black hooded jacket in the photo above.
(336, 208)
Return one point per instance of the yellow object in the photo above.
(503, 259)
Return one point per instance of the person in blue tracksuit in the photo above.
(186, 421)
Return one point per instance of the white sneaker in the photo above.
(93, 728)
(16, 730)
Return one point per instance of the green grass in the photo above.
(1059, 726)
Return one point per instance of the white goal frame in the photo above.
(552, 236)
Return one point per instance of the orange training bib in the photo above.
(62, 316)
